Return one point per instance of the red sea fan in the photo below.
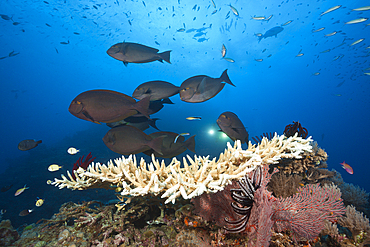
(305, 212)
(83, 164)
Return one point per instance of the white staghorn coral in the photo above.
(201, 175)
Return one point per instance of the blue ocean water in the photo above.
(53, 50)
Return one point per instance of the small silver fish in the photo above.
(331, 9)
(229, 59)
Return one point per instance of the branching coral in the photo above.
(355, 221)
(284, 185)
(172, 181)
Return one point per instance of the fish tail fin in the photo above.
(165, 56)
(167, 101)
(156, 144)
(190, 143)
(152, 123)
(142, 106)
(38, 142)
(224, 77)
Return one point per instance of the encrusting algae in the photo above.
(173, 181)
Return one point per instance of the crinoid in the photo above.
(244, 198)
(296, 127)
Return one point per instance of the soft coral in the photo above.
(82, 164)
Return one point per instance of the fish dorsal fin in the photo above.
(202, 85)
(118, 93)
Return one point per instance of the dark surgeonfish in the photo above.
(157, 90)
(107, 106)
(137, 53)
(28, 144)
(271, 32)
(231, 125)
(170, 148)
(141, 123)
(201, 87)
(130, 140)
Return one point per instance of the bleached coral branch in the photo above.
(198, 175)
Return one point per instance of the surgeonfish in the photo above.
(201, 88)
(106, 106)
(137, 53)
(72, 150)
(128, 140)
(271, 32)
(231, 125)
(169, 147)
(331, 9)
(28, 144)
(21, 190)
(156, 90)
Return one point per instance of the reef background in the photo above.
(45, 76)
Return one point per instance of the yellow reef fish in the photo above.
(229, 59)
(258, 60)
(258, 34)
(356, 42)
(72, 150)
(317, 73)
(194, 118)
(39, 202)
(366, 73)
(331, 9)
(362, 8)
(300, 55)
(359, 20)
(20, 191)
(181, 30)
(54, 168)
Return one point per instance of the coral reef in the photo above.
(356, 222)
(8, 234)
(172, 181)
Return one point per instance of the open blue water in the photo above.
(41, 74)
